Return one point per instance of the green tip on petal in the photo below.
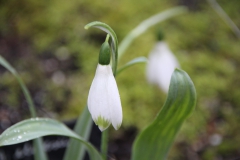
(102, 123)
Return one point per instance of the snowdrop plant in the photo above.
(104, 106)
(103, 100)
(161, 65)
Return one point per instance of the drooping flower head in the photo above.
(161, 65)
(103, 100)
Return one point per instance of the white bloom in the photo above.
(161, 65)
(103, 100)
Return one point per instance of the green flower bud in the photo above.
(104, 55)
(160, 35)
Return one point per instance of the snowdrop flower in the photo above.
(161, 65)
(103, 100)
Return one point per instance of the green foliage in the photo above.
(75, 150)
(38, 144)
(155, 141)
(37, 127)
(133, 62)
(205, 46)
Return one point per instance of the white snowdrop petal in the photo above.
(103, 100)
(114, 102)
(98, 104)
(162, 63)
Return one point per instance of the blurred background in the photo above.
(47, 44)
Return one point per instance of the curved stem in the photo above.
(107, 38)
(114, 44)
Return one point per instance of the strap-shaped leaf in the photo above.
(5, 64)
(155, 141)
(76, 150)
(146, 24)
(132, 62)
(36, 127)
(37, 143)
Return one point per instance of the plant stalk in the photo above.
(104, 144)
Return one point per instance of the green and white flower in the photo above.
(103, 100)
(161, 65)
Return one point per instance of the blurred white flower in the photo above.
(161, 65)
(103, 100)
(215, 139)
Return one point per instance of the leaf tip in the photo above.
(89, 25)
(86, 26)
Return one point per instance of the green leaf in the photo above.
(218, 9)
(132, 62)
(155, 141)
(114, 44)
(36, 127)
(5, 64)
(39, 151)
(76, 150)
(146, 24)
(38, 144)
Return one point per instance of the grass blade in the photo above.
(38, 144)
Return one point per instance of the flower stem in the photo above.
(114, 44)
(107, 38)
(104, 144)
